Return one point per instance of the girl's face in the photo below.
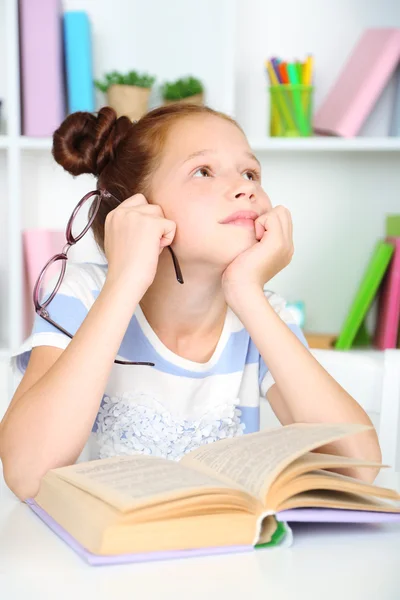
(207, 173)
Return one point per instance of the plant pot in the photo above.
(129, 100)
(196, 99)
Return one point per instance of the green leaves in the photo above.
(171, 90)
(132, 78)
(181, 88)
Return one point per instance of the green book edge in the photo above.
(393, 225)
(366, 292)
(276, 538)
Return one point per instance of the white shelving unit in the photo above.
(338, 190)
(266, 144)
(326, 144)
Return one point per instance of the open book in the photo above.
(233, 493)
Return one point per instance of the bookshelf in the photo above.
(338, 190)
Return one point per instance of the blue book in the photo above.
(78, 61)
(395, 120)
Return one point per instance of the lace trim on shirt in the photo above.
(139, 423)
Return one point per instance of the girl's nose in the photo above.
(245, 190)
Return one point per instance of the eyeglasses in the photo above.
(54, 269)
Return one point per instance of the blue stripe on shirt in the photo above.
(66, 311)
(250, 416)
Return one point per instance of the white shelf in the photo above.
(31, 143)
(326, 144)
(313, 144)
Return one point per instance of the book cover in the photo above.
(366, 292)
(362, 79)
(389, 302)
(42, 84)
(284, 535)
(78, 61)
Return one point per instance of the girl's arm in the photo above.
(53, 410)
(304, 391)
(52, 413)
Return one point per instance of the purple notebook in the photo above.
(311, 515)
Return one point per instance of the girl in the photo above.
(182, 177)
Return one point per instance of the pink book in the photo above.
(389, 302)
(359, 84)
(38, 246)
(41, 66)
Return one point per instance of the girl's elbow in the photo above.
(22, 487)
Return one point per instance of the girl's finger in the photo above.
(286, 221)
(261, 225)
(259, 230)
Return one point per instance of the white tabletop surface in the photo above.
(330, 562)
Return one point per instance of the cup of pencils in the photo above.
(291, 95)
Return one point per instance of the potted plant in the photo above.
(127, 94)
(185, 89)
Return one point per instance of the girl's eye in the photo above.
(202, 169)
(255, 176)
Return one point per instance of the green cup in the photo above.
(291, 110)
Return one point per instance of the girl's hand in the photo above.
(260, 263)
(135, 234)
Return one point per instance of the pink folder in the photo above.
(389, 302)
(41, 66)
(38, 246)
(359, 84)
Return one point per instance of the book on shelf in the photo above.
(393, 230)
(354, 331)
(388, 319)
(39, 245)
(78, 61)
(232, 495)
(393, 225)
(363, 77)
(42, 85)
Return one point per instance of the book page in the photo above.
(254, 460)
(127, 482)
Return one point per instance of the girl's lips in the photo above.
(243, 222)
(240, 215)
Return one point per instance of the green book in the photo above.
(393, 225)
(353, 330)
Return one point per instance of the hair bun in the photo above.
(85, 143)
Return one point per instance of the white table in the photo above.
(333, 562)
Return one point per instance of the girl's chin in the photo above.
(233, 250)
